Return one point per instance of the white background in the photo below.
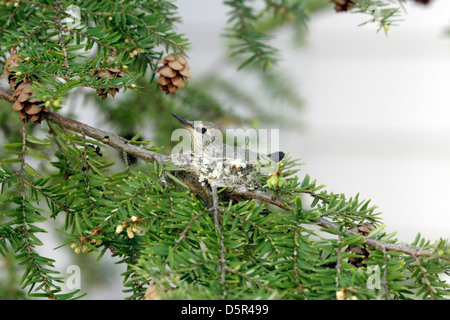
(376, 117)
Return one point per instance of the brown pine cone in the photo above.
(173, 73)
(12, 61)
(30, 109)
(108, 73)
(343, 5)
(364, 229)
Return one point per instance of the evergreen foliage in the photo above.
(289, 240)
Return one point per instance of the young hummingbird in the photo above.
(206, 140)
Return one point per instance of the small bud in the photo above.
(124, 67)
(119, 228)
(134, 218)
(27, 59)
(273, 181)
(55, 103)
(77, 250)
(132, 86)
(110, 18)
(98, 242)
(340, 295)
(48, 103)
(135, 230)
(135, 52)
(18, 74)
(73, 245)
(85, 249)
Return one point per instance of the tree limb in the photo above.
(122, 145)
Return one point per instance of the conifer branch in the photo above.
(25, 225)
(122, 145)
(10, 18)
(61, 40)
(222, 259)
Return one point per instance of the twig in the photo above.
(65, 65)
(215, 208)
(10, 18)
(384, 281)
(185, 231)
(108, 138)
(339, 257)
(6, 94)
(28, 247)
(425, 276)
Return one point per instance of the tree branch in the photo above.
(122, 145)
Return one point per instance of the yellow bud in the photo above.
(119, 228)
(135, 230)
(132, 86)
(48, 103)
(130, 232)
(77, 250)
(73, 245)
(134, 218)
(18, 74)
(340, 295)
(55, 103)
(135, 52)
(85, 249)
(110, 18)
(98, 242)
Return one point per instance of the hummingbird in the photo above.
(206, 140)
(213, 164)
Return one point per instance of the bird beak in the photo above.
(184, 122)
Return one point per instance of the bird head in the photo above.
(202, 133)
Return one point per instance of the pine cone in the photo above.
(173, 73)
(108, 73)
(364, 229)
(28, 109)
(12, 61)
(343, 5)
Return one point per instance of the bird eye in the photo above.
(203, 130)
